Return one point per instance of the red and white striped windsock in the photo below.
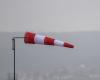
(33, 38)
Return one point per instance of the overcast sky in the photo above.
(49, 15)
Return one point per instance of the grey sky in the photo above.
(49, 15)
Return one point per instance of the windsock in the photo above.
(33, 38)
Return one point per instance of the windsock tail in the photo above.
(68, 45)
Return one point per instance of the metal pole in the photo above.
(14, 49)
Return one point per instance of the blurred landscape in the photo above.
(81, 72)
(41, 62)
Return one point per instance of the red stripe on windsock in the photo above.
(68, 45)
(48, 41)
(29, 38)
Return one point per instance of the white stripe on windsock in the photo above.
(58, 43)
(39, 39)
